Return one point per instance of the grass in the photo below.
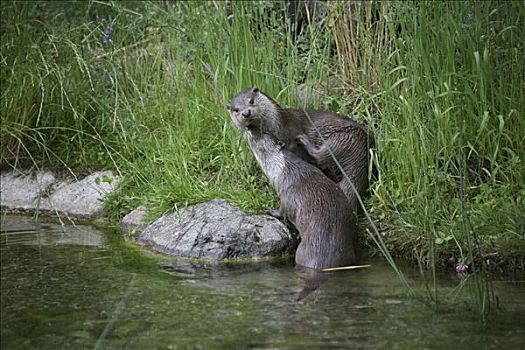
(439, 83)
(453, 128)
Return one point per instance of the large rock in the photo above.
(44, 193)
(216, 230)
(82, 198)
(24, 192)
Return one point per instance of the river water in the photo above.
(78, 287)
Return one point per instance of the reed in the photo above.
(449, 120)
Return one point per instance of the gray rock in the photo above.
(135, 220)
(23, 192)
(81, 198)
(43, 193)
(216, 230)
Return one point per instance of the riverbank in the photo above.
(228, 233)
(112, 86)
(213, 230)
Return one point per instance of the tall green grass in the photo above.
(452, 123)
(438, 83)
(152, 103)
(449, 116)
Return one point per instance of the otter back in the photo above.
(348, 140)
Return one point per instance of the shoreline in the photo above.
(43, 194)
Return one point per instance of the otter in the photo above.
(312, 202)
(348, 140)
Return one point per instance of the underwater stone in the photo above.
(216, 230)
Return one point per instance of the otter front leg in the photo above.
(316, 153)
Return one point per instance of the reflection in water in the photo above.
(313, 279)
(23, 230)
(77, 287)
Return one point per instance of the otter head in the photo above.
(252, 109)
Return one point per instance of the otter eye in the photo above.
(251, 101)
(236, 110)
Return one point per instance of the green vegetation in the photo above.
(440, 84)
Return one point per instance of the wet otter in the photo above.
(348, 140)
(311, 201)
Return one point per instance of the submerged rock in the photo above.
(44, 193)
(216, 230)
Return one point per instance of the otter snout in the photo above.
(247, 113)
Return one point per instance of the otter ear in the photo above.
(280, 144)
(255, 90)
(228, 107)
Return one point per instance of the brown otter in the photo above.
(312, 202)
(299, 131)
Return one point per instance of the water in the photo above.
(82, 288)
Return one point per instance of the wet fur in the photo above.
(311, 201)
(348, 140)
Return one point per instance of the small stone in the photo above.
(134, 220)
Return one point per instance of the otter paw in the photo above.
(276, 213)
(302, 139)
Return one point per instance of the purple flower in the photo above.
(461, 269)
(106, 39)
(109, 31)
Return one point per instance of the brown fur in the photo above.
(348, 140)
(311, 201)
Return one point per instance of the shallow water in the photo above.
(77, 287)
